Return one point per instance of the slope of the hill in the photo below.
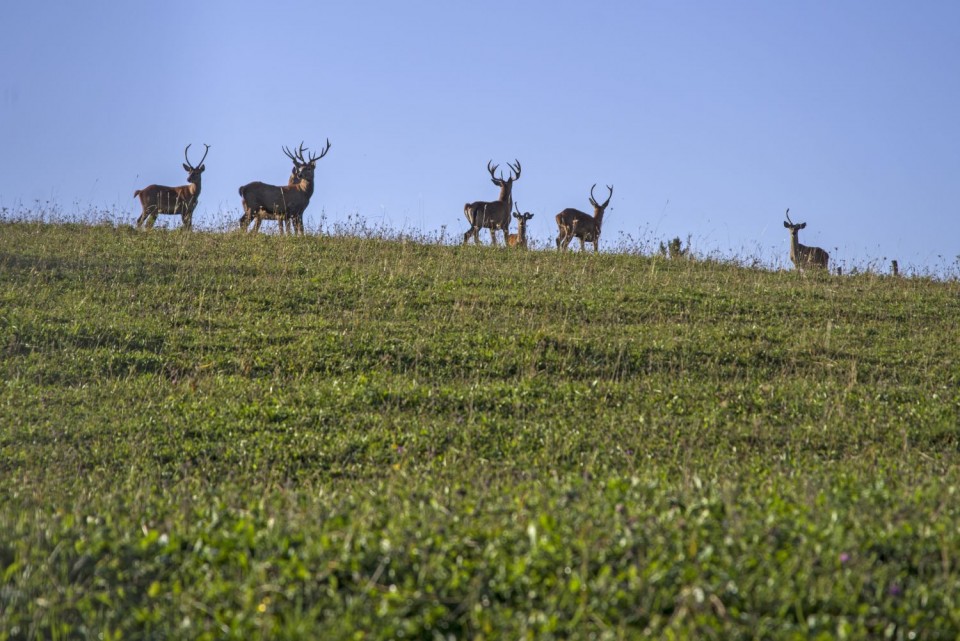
(224, 436)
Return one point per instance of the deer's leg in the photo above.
(466, 236)
(143, 217)
(187, 221)
(256, 225)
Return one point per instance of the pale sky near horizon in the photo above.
(709, 118)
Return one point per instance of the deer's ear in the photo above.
(529, 216)
(495, 181)
(203, 168)
(785, 224)
(802, 226)
(186, 167)
(516, 215)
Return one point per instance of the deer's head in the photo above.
(598, 209)
(521, 218)
(303, 168)
(794, 228)
(192, 171)
(505, 184)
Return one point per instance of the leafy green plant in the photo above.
(674, 248)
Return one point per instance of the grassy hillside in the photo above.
(208, 436)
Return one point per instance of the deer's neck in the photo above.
(598, 220)
(305, 186)
(795, 247)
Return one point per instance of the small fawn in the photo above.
(520, 238)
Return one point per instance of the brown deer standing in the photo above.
(573, 223)
(492, 215)
(158, 199)
(801, 255)
(283, 204)
(520, 238)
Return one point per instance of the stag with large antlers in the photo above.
(573, 223)
(284, 204)
(246, 221)
(158, 199)
(496, 214)
(801, 255)
(520, 238)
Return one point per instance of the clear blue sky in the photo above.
(710, 118)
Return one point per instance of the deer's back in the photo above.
(569, 216)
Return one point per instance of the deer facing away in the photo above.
(520, 238)
(801, 255)
(573, 223)
(283, 204)
(495, 214)
(159, 199)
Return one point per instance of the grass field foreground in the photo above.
(212, 435)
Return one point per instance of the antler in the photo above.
(493, 172)
(314, 158)
(607, 202)
(593, 201)
(788, 216)
(297, 156)
(515, 168)
(185, 157)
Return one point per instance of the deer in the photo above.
(520, 238)
(800, 255)
(573, 223)
(159, 199)
(294, 179)
(283, 204)
(493, 215)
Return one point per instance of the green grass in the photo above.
(208, 436)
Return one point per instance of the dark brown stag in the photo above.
(245, 221)
(520, 238)
(158, 199)
(801, 255)
(496, 214)
(573, 223)
(284, 204)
